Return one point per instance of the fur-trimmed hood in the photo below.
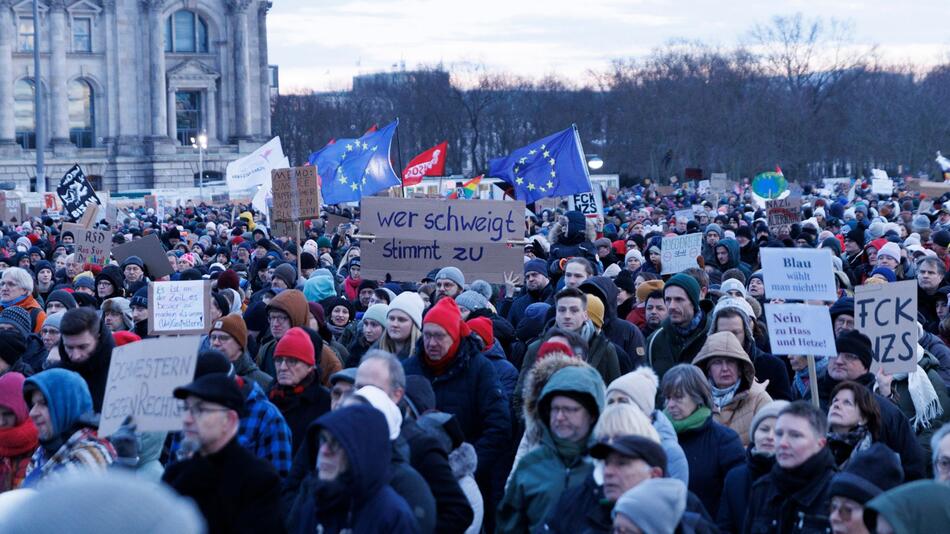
(463, 461)
(534, 383)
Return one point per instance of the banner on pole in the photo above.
(75, 191)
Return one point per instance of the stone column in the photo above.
(7, 33)
(59, 104)
(211, 114)
(112, 72)
(262, 10)
(242, 79)
(156, 47)
(172, 115)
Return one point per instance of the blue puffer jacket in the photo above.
(470, 390)
(362, 503)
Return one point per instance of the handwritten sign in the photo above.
(91, 244)
(782, 213)
(182, 307)
(296, 193)
(718, 182)
(683, 216)
(152, 252)
(679, 253)
(591, 204)
(798, 274)
(10, 207)
(142, 377)
(800, 329)
(887, 313)
(414, 236)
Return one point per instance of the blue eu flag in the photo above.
(351, 168)
(552, 167)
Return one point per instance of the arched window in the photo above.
(82, 115)
(23, 116)
(186, 33)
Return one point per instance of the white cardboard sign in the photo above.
(887, 313)
(798, 274)
(142, 378)
(182, 307)
(679, 253)
(800, 329)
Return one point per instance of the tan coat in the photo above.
(751, 395)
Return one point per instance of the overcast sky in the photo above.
(321, 44)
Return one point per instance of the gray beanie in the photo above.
(655, 505)
(482, 287)
(453, 274)
(53, 320)
(920, 222)
(713, 227)
(769, 410)
(471, 300)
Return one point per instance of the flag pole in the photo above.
(402, 185)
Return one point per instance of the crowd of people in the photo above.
(590, 392)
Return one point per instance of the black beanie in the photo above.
(212, 361)
(12, 346)
(854, 342)
(868, 474)
(857, 235)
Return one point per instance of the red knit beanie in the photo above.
(446, 314)
(483, 327)
(229, 279)
(124, 337)
(296, 344)
(551, 347)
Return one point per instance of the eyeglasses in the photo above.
(198, 409)
(219, 338)
(286, 362)
(438, 337)
(566, 410)
(333, 446)
(278, 318)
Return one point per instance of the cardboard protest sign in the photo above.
(142, 378)
(10, 207)
(75, 191)
(783, 213)
(296, 193)
(179, 308)
(591, 204)
(887, 313)
(286, 228)
(683, 216)
(91, 244)
(414, 236)
(719, 183)
(334, 221)
(679, 253)
(882, 186)
(931, 189)
(150, 249)
(800, 329)
(221, 198)
(703, 187)
(798, 274)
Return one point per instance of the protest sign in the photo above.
(286, 228)
(591, 204)
(150, 249)
(800, 329)
(334, 221)
(254, 170)
(931, 189)
(219, 199)
(783, 213)
(410, 237)
(142, 378)
(679, 253)
(703, 187)
(179, 308)
(683, 216)
(882, 186)
(887, 313)
(91, 244)
(926, 206)
(296, 193)
(719, 183)
(10, 207)
(75, 191)
(798, 274)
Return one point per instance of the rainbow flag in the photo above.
(467, 190)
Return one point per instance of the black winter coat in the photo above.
(617, 329)
(712, 450)
(735, 493)
(802, 507)
(771, 368)
(95, 370)
(300, 408)
(235, 491)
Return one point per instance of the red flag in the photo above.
(372, 129)
(429, 163)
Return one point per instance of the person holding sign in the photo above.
(235, 491)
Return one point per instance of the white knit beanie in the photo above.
(411, 304)
(640, 385)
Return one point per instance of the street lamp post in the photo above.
(201, 143)
(594, 162)
(38, 129)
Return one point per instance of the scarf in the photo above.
(927, 405)
(790, 481)
(569, 451)
(282, 395)
(13, 302)
(691, 327)
(844, 446)
(439, 367)
(692, 421)
(722, 397)
(801, 382)
(18, 440)
(337, 331)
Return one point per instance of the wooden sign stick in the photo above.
(813, 380)
(89, 216)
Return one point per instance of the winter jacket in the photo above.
(771, 371)
(245, 368)
(896, 432)
(235, 491)
(601, 355)
(471, 391)
(17, 442)
(300, 405)
(915, 508)
(575, 241)
(737, 414)
(83, 450)
(677, 465)
(738, 485)
(35, 353)
(803, 506)
(506, 372)
(263, 430)
(617, 330)
(900, 394)
(940, 351)
(711, 450)
(37, 315)
(666, 348)
(360, 500)
(95, 370)
(545, 473)
(735, 261)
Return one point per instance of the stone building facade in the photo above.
(128, 83)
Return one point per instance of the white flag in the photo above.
(253, 170)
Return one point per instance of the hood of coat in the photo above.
(604, 289)
(725, 345)
(363, 434)
(732, 246)
(576, 381)
(538, 377)
(912, 507)
(67, 397)
(294, 304)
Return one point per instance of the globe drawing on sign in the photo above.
(769, 185)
